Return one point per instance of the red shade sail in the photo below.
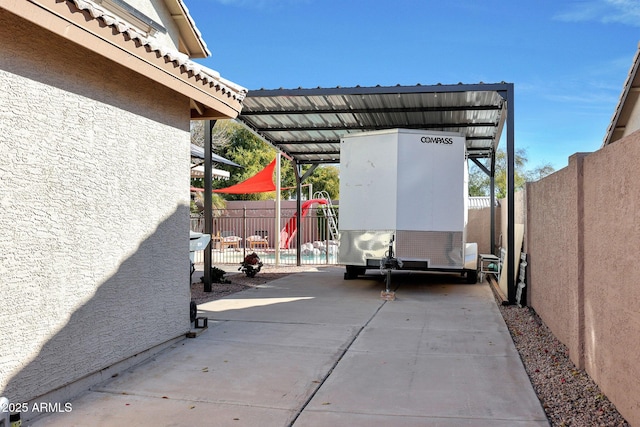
(262, 182)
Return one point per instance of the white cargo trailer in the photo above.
(405, 192)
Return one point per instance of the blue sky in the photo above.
(567, 59)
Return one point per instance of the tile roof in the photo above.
(207, 75)
(623, 123)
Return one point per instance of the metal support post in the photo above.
(208, 213)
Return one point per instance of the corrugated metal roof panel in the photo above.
(316, 119)
(199, 153)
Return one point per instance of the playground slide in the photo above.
(288, 233)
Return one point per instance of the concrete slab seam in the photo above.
(344, 351)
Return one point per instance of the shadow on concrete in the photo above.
(142, 307)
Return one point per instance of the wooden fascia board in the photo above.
(189, 36)
(201, 112)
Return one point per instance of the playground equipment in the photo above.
(329, 212)
(288, 233)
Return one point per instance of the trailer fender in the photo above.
(471, 256)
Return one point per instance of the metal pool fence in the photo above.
(238, 232)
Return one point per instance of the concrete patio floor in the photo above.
(312, 349)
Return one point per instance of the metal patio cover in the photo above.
(199, 153)
(307, 124)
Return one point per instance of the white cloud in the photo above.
(261, 4)
(605, 11)
(624, 11)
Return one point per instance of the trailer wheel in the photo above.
(472, 276)
(353, 271)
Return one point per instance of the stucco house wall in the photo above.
(156, 10)
(94, 212)
(94, 189)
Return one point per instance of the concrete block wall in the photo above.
(479, 228)
(611, 189)
(553, 261)
(583, 238)
(94, 213)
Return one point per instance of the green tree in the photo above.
(218, 203)
(248, 150)
(220, 133)
(326, 178)
(238, 144)
(479, 182)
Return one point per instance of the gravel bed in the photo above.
(567, 394)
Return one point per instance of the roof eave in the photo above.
(190, 37)
(616, 126)
(215, 98)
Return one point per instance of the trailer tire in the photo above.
(353, 271)
(472, 276)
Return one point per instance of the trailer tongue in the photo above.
(387, 264)
(403, 203)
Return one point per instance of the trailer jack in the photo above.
(387, 264)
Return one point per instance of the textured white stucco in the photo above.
(94, 176)
(156, 10)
